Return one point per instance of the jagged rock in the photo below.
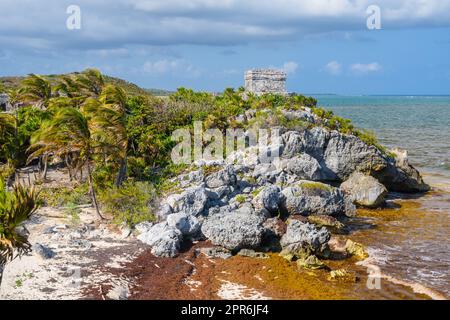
(364, 190)
(192, 201)
(164, 240)
(308, 198)
(225, 177)
(304, 239)
(400, 176)
(187, 224)
(252, 254)
(190, 178)
(304, 167)
(43, 251)
(309, 141)
(269, 198)
(346, 154)
(216, 252)
(275, 227)
(234, 231)
(163, 211)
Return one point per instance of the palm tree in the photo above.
(90, 83)
(8, 137)
(15, 208)
(114, 99)
(68, 132)
(36, 90)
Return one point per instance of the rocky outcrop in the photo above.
(234, 231)
(234, 202)
(364, 190)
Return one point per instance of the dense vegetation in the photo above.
(114, 139)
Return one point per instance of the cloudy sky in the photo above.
(323, 45)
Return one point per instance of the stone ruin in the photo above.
(261, 81)
(4, 102)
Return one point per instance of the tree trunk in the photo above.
(122, 174)
(92, 191)
(45, 167)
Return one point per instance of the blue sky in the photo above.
(323, 45)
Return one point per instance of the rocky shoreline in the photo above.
(290, 206)
(236, 229)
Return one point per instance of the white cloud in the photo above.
(168, 66)
(333, 67)
(204, 22)
(361, 68)
(290, 67)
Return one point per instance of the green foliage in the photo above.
(16, 207)
(315, 185)
(65, 196)
(131, 204)
(240, 198)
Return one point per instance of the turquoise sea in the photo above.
(414, 247)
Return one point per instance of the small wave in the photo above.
(376, 256)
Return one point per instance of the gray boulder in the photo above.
(164, 240)
(234, 231)
(346, 153)
(313, 198)
(225, 177)
(268, 198)
(304, 167)
(192, 201)
(187, 224)
(303, 239)
(400, 176)
(364, 190)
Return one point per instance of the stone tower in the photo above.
(260, 81)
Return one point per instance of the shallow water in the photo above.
(410, 240)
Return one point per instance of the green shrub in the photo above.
(240, 198)
(131, 204)
(64, 196)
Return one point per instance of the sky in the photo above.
(325, 46)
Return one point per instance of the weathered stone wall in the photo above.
(260, 81)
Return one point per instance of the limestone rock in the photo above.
(303, 239)
(234, 231)
(192, 201)
(269, 198)
(364, 190)
(164, 240)
(188, 225)
(304, 167)
(225, 177)
(313, 198)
